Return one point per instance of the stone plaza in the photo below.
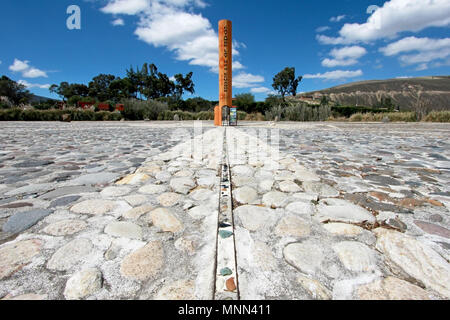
(130, 210)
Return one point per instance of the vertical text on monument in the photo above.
(225, 63)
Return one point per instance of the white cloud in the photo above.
(19, 66)
(331, 40)
(27, 70)
(172, 24)
(246, 80)
(422, 50)
(441, 64)
(130, 7)
(238, 45)
(118, 22)
(395, 17)
(334, 75)
(425, 56)
(345, 56)
(262, 90)
(415, 44)
(354, 52)
(331, 63)
(322, 29)
(338, 18)
(169, 29)
(34, 73)
(422, 66)
(33, 85)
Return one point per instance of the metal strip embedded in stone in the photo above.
(226, 275)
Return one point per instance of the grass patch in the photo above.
(438, 116)
(378, 117)
(255, 117)
(16, 114)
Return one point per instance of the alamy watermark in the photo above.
(257, 147)
(376, 17)
(73, 22)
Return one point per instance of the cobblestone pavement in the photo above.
(129, 210)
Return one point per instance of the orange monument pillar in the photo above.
(225, 69)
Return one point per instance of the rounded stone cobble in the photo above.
(65, 227)
(165, 220)
(169, 199)
(70, 254)
(13, 256)
(94, 207)
(144, 263)
(274, 199)
(83, 284)
(321, 160)
(245, 195)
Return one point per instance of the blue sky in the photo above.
(329, 42)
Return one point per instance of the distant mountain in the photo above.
(38, 99)
(434, 92)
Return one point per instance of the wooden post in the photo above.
(225, 64)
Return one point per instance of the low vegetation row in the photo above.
(157, 111)
(147, 94)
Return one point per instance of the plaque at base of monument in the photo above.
(233, 116)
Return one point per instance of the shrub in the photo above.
(273, 101)
(357, 117)
(397, 116)
(205, 115)
(16, 114)
(43, 107)
(13, 114)
(255, 117)
(3, 105)
(241, 115)
(184, 115)
(296, 111)
(141, 110)
(165, 115)
(348, 111)
(101, 116)
(438, 116)
(339, 119)
(31, 115)
(378, 117)
(274, 112)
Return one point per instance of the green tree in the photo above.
(99, 87)
(15, 92)
(121, 89)
(285, 82)
(66, 90)
(148, 82)
(245, 102)
(184, 84)
(73, 100)
(324, 101)
(79, 89)
(165, 87)
(198, 104)
(54, 88)
(133, 77)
